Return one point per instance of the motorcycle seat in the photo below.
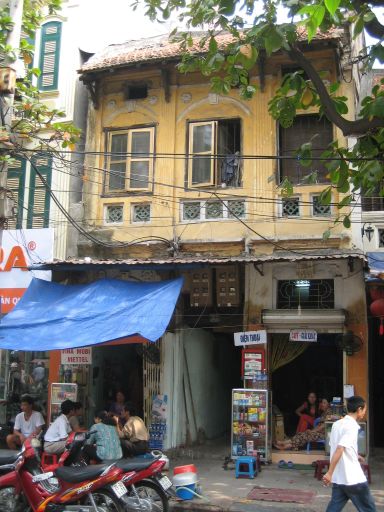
(75, 475)
(8, 456)
(134, 464)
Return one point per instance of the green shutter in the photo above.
(16, 183)
(39, 198)
(50, 56)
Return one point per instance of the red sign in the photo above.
(9, 298)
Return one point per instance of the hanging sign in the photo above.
(250, 338)
(76, 356)
(306, 335)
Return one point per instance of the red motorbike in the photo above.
(94, 488)
(146, 487)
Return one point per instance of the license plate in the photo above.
(119, 489)
(165, 482)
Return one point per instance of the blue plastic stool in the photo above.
(250, 463)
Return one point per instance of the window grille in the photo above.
(320, 210)
(236, 209)
(141, 213)
(191, 211)
(291, 207)
(214, 210)
(308, 294)
(114, 213)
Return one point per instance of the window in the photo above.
(137, 92)
(308, 294)
(16, 183)
(130, 164)
(305, 128)
(381, 237)
(290, 206)
(50, 56)
(141, 213)
(213, 210)
(375, 201)
(214, 149)
(318, 209)
(39, 198)
(113, 214)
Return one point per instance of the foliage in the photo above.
(33, 121)
(237, 34)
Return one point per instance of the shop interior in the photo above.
(299, 368)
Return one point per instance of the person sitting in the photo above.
(116, 407)
(56, 436)
(74, 420)
(133, 435)
(307, 413)
(309, 436)
(28, 423)
(104, 442)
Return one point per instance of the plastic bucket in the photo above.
(189, 468)
(185, 485)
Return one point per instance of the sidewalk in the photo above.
(223, 492)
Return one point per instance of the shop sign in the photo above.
(76, 356)
(250, 338)
(18, 250)
(306, 335)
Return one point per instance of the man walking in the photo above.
(345, 473)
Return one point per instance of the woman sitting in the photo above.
(307, 413)
(309, 436)
(104, 442)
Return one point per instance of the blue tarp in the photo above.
(376, 262)
(53, 316)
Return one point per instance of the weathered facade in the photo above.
(180, 180)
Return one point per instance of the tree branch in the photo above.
(349, 128)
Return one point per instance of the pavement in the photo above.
(222, 492)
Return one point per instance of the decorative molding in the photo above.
(186, 97)
(140, 108)
(111, 105)
(213, 98)
(152, 100)
(222, 99)
(131, 105)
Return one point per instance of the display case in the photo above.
(250, 423)
(362, 438)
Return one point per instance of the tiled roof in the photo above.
(184, 261)
(159, 48)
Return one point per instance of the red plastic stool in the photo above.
(48, 459)
(319, 468)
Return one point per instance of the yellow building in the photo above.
(180, 180)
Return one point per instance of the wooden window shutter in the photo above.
(50, 56)
(39, 198)
(16, 184)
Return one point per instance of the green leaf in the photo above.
(347, 222)
(273, 40)
(332, 5)
(345, 201)
(359, 26)
(325, 196)
(326, 234)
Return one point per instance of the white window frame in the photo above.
(211, 153)
(133, 221)
(105, 216)
(203, 217)
(131, 159)
(325, 215)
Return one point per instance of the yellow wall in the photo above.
(259, 135)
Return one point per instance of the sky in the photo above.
(115, 22)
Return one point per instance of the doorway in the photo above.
(318, 368)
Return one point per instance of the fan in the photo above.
(349, 342)
(149, 352)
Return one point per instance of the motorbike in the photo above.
(146, 488)
(94, 488)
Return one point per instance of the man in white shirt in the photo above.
(28, 423)
(345, 472)
(57, 434)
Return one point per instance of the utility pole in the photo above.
(7, 95)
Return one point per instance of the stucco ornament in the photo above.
(111, 104)
(186, 97)
(152, 100)
(213, 98)
(131, 105)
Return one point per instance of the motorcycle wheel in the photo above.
(106, 501)
(155, 493)
(10, 502)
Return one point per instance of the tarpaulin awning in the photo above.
(375, 264)
(53, 316)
